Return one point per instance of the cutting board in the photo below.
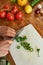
(25, 57)
(17, 25)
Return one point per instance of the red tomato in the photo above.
(2, 14)
(6, 7)
(19, 15)
(15, 9)
(10, 16)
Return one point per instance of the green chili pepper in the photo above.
(13, 1)
(34, 2)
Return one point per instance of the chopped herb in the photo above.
(19, 38)
(31, 49)
(24, 38)
(38, 50)
(26, 46)
(18, 47)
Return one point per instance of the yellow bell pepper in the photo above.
(22, 2)
(28, 9)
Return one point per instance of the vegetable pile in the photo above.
(25, 44)
(39, 9)
(15, 13)
(26, 4)
(11, 14)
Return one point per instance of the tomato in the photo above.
(19, 15)
(6, 7)
(10, 16)
(15, 9)
(2, 14)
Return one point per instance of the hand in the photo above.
(4, 47)
(7, 31)
(5, 43)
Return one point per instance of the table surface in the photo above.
(17, 25)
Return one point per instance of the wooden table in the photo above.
(17, 25)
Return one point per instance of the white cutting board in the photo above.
(24, 57)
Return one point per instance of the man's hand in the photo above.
(5, 43)
(7, 31)
(4, 47)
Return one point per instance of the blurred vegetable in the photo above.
(34, 2)
(19, 15)
(37, 11)
(2, 14)
(28, 9)
(13, 1)
(41, 11)
(39, 6)
(10, 16)
(15, 9)
(7, 7)
(22, 2)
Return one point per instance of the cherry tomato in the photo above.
(15, 9)
(2, 14)
(6, 7)
(19, 15)
(10, 16)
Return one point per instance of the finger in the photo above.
(8, 42)
(7, 31)
(3, 53)
(4, 47)
(10, 33)
(11, 29)
(5, 42)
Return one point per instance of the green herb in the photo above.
(34, 2)
(18, 47)
(19, 38)
(13, 1)
(26, 46)
(24, 38)
(38, 50)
